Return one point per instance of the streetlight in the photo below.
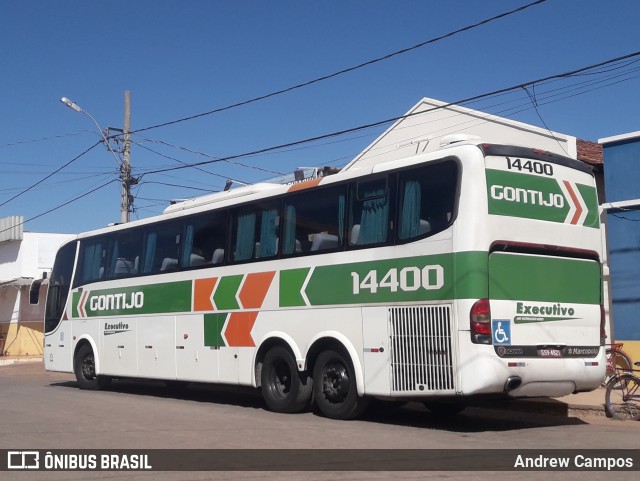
(125, 166)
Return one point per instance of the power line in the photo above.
(63, 204)
(176, 185)
(42, 139)
(202, 154)
(468, 100)
(543, 98)
(394, 119)
(347, 70)
(50, 175)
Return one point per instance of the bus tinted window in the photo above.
(427, 199)
(162, 248)
(255, 231)
(370, 209)
(314, 221)
(91, 264)
(205, 240)
(125, 254)
(59, 285)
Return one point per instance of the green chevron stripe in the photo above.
(225, 295)
(213, 325)
(291, 282)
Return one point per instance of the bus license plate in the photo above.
(546, 352)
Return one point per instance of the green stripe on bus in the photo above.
(291, 282)
(149, 299)
(590, 197)
(424, 278)
(225, 295)
(471, 275)
(547, 279)
(533, 197)
(213, 325)
(521, 195)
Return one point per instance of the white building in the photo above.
(431, 122)
(25, 258)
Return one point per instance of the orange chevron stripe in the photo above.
(202, 290)
(255, 289)
(238, 331)
(576, 202)
(81, 305)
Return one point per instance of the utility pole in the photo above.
(125, 168)
(126, 199)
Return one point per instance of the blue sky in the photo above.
(182, 58)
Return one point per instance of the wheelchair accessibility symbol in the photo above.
(501, 331)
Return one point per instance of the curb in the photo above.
(577, 410)
(8, 361)
(547, 406)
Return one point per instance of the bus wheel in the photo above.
(334, 387)
(284, 389)
(84, 367)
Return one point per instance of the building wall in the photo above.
(21, 323)
(430, 120)
(622, 185)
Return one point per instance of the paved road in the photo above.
(43, 410)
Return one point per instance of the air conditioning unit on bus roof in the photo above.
(450, 139)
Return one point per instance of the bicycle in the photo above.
(617, 360)
(622, 399)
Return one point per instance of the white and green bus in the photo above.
(466, 272)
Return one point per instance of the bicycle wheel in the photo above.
(622, 399)
(617, 362)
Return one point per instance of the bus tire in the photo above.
(334, 387)
(84, 367)
(284, 388)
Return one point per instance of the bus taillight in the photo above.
(480, 317)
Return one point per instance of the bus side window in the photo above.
(427, 199)
(314, 221)
(91, 262)
(126, 251)
(205, 239)
(370, 213)
(255, 231)
(162, 248)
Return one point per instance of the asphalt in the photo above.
(572, 405)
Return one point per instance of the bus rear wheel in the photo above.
(334, 387)
(284, 388)
(84, 367)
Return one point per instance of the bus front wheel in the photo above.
(84, 367)
(334, 387)
(284, 388)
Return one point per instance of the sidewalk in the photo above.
(7, 360)
(588, 402)
(575, 405)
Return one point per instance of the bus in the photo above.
(464, 273)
